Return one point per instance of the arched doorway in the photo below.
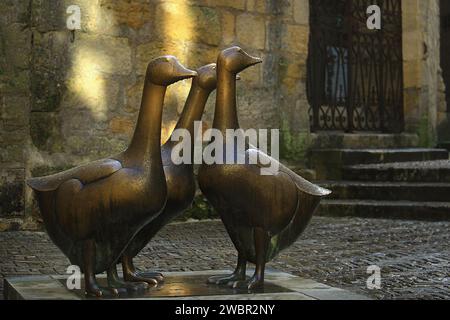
(355, 75)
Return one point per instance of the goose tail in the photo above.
(307, 205)
(41, 185)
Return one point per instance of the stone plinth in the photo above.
(185, 286)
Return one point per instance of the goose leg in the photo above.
(237, 275)
(91, 286)
(261, 246)
(114, 281)
(130, 273)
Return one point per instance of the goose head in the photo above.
(166, 70)
(235, 60)
(207, 77)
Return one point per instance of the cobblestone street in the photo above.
(414, 256)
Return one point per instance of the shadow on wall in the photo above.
(102, 82)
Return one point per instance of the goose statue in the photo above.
(262, 213)
(179, 177)
(92, 212)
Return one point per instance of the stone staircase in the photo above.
(405, 183)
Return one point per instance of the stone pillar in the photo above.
(423, 83)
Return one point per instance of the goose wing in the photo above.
(270, 166)
(86, 174)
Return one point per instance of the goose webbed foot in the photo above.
(132, 275)
(225, 279)
(131, 287)
(115, 282)
(152, 275)
(237, 275)
(94, 290)
(135, 277)
(254, 283)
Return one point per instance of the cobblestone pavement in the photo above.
(414, 256)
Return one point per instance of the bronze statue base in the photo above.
(184, 286)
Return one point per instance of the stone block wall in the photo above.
(71, 97)
(67, 98)
(15, 102)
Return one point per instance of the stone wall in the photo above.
(15, 101)
(78, 93)
(67, 98)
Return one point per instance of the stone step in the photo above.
(433, 211)
(390, 191)
(328, 163)
(422, 171)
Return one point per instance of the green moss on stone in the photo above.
(283, 64)
(427, 138)
(200, 210)
(293, 146)
(45, 131)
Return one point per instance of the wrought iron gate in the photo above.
(355, 75)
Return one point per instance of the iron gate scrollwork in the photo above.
(355, 75)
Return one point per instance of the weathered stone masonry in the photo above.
(15, 103)
(72, 97)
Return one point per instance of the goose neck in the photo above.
(226, 114)
(146, 142)
(193, 108)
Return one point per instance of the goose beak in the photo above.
(254, 61)
(251, 61)
(187, 74)
(184, 73)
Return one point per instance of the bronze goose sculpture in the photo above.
(93, 211)
(179, 177)
(263, 214)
